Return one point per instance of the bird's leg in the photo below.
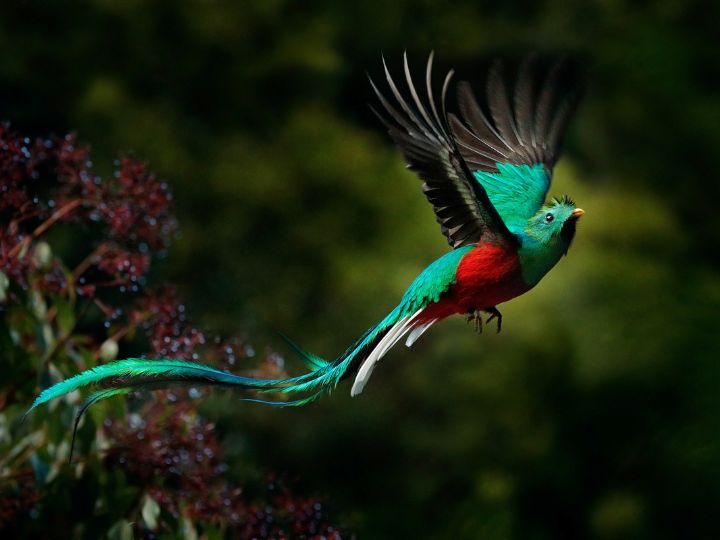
(475, 316)
(494, 314)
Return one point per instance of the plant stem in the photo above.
(45, 225)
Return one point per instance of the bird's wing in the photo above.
(512, 146)
(421, 131)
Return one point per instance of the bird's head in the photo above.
(554, 224)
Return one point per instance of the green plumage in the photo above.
(424, 290)
(134, 371)
(125, 375)
(517, 192)
(432, 282)
(486, 178)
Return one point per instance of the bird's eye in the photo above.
(549, 218)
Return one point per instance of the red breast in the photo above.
(486, 276)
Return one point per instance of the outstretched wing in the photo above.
(461, 204)
(513, 149)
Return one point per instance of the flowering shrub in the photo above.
(75, 253)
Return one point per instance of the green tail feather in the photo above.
(134, 371)
(93, 398)
(123, 376)
(311, 360)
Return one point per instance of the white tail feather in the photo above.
(395, 334)
(417, 332)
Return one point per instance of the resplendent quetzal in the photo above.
(486, 175)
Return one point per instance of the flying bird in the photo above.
(486, 172)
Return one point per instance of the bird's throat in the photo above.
(537, 259)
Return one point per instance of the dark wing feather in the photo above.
(461, 204)
(523, 102)
(528, 130)
(500, 109)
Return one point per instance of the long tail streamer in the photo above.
(123, 376)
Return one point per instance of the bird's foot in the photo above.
(475, 316)
(494, 314)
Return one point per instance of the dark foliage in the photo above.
(57, 318)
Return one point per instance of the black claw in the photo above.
(494, 314)
(475, 316)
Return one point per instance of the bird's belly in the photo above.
(487, 276)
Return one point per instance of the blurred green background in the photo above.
(595, 414)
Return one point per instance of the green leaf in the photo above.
(150, 512)
(189, 531)
(65, 314)
(38, 305)
(42, 255)
(4, 284)
(120, 530)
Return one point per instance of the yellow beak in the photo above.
(578, 212)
